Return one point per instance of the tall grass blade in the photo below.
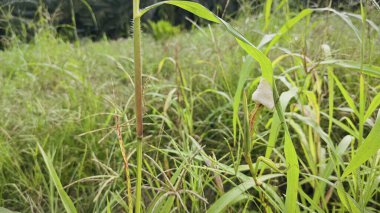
(267, 12)
(235, 193)
(292, 174)
(276, 122)
(286, 27)
(244, 74)
(291, 157)
(366, 150)
(367, 69)
(67, 202)
(201, 11)
(344, 17)
(346, 95)
(193, 7)
(373, 106)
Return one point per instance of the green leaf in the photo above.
(267, 12)
(346, 95)
(345, 18)
(286, 27)
(193, 7)
(244, 74)
(291, 157)
(329, 168)
(292, 174)
(285, 97)
(236, 193)
(201, 11)
(373, 106)
(347, 200)
(67, 202)
(366, 150)
(368, 69)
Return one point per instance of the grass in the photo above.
(66, 97)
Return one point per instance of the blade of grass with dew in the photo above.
(67, 202)
(366, 150)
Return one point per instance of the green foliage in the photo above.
(67, 202)
(163, 29)
(66, 97)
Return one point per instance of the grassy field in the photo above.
(76, 101)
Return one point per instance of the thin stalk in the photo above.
(249, 123)
(73, 20)
(362, 81)
(138, 97)
(362, 98)
(126, 164)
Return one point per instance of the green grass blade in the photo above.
(276, 122)
(330, 73)
(267, 12)
(347, 200)
(291, 157)
(67, 202)
(286, 27)
(346, 95)
(367, 69)
(366, 150)
(328, 170)
(244, 74)
(231, 196)
(345, 18)
(292, 174)
(201, 11)
(193, 7)
(372, 107)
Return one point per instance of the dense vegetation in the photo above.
(95, 18)
(65, 107)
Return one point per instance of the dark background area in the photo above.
(112, 18)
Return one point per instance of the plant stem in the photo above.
(138, 97)
(362, 81)
(126, 164)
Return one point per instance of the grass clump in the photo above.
(73, 99)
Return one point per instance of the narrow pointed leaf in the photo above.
(67, 203)
(366, 150)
